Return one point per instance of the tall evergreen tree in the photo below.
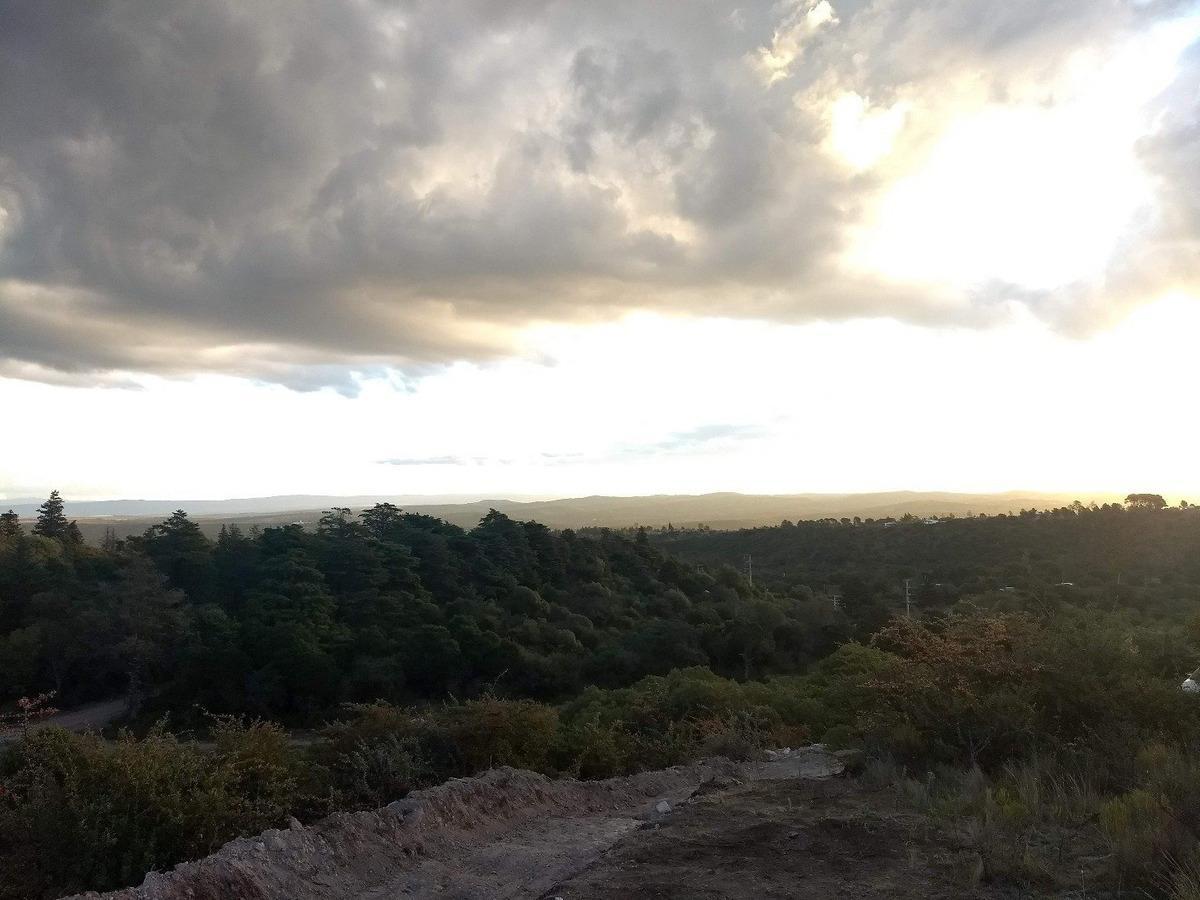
(182, 552)
(51, 522)
(149, 625)
(10, 524)
(74, 535)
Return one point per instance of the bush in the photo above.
(962, 690)
(492, 732)
(676, 718)
(1136, 825)
(591, 749)
(377, 771)
(382, 752)
(77, 812)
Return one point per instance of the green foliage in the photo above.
(1141, 559)
(10, 525)
(1044, 717)
(1072, 748)
(982, 688)
(76, 811)
(291, 623)
(381, 751)
(51, 521)
(665, 720)
(962, 688)
(1134, 824)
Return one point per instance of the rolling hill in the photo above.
(726, 510)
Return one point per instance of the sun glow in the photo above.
(861, 134)
(856, 406)
(1035, 193)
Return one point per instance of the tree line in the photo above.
(289, 623)
(1141, 556)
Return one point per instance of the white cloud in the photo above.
(862, 134)
(1038, 191)
(656, 405)
(800, 22)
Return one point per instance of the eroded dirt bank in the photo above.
(510, 833)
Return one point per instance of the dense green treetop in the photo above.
(51, 522)
(386, 604)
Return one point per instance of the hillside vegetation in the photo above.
(1043, 719)
(388, 605)
(1142, 558)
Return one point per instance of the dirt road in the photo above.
(93, 716)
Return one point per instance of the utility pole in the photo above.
(750, 569)
(908, 597)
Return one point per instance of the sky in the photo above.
(539, 248)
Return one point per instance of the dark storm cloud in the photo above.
(278, 189)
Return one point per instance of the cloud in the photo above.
(426, 461)
(293, 194)
(702, 436)
(706, 438)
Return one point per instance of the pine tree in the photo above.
(182, 552)
(150, 623)
(51, 522)
(10, 524)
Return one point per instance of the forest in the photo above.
(1136, 553)
(1017, 672)
(387, 605)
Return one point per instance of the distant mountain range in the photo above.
(719, 510)
(27, 506)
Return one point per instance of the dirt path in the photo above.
(92, 716)
(796, 839)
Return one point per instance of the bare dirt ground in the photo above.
(795, 839)
(505, 833)
(787, 827)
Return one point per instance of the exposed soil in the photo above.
(786, 827)
(796, 839)
(506, 833)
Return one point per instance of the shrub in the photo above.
(590, 749)
(1136, 825)
(492, 732)
(381, 752)
(962, 690)
(378, 771)
(77, 812)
